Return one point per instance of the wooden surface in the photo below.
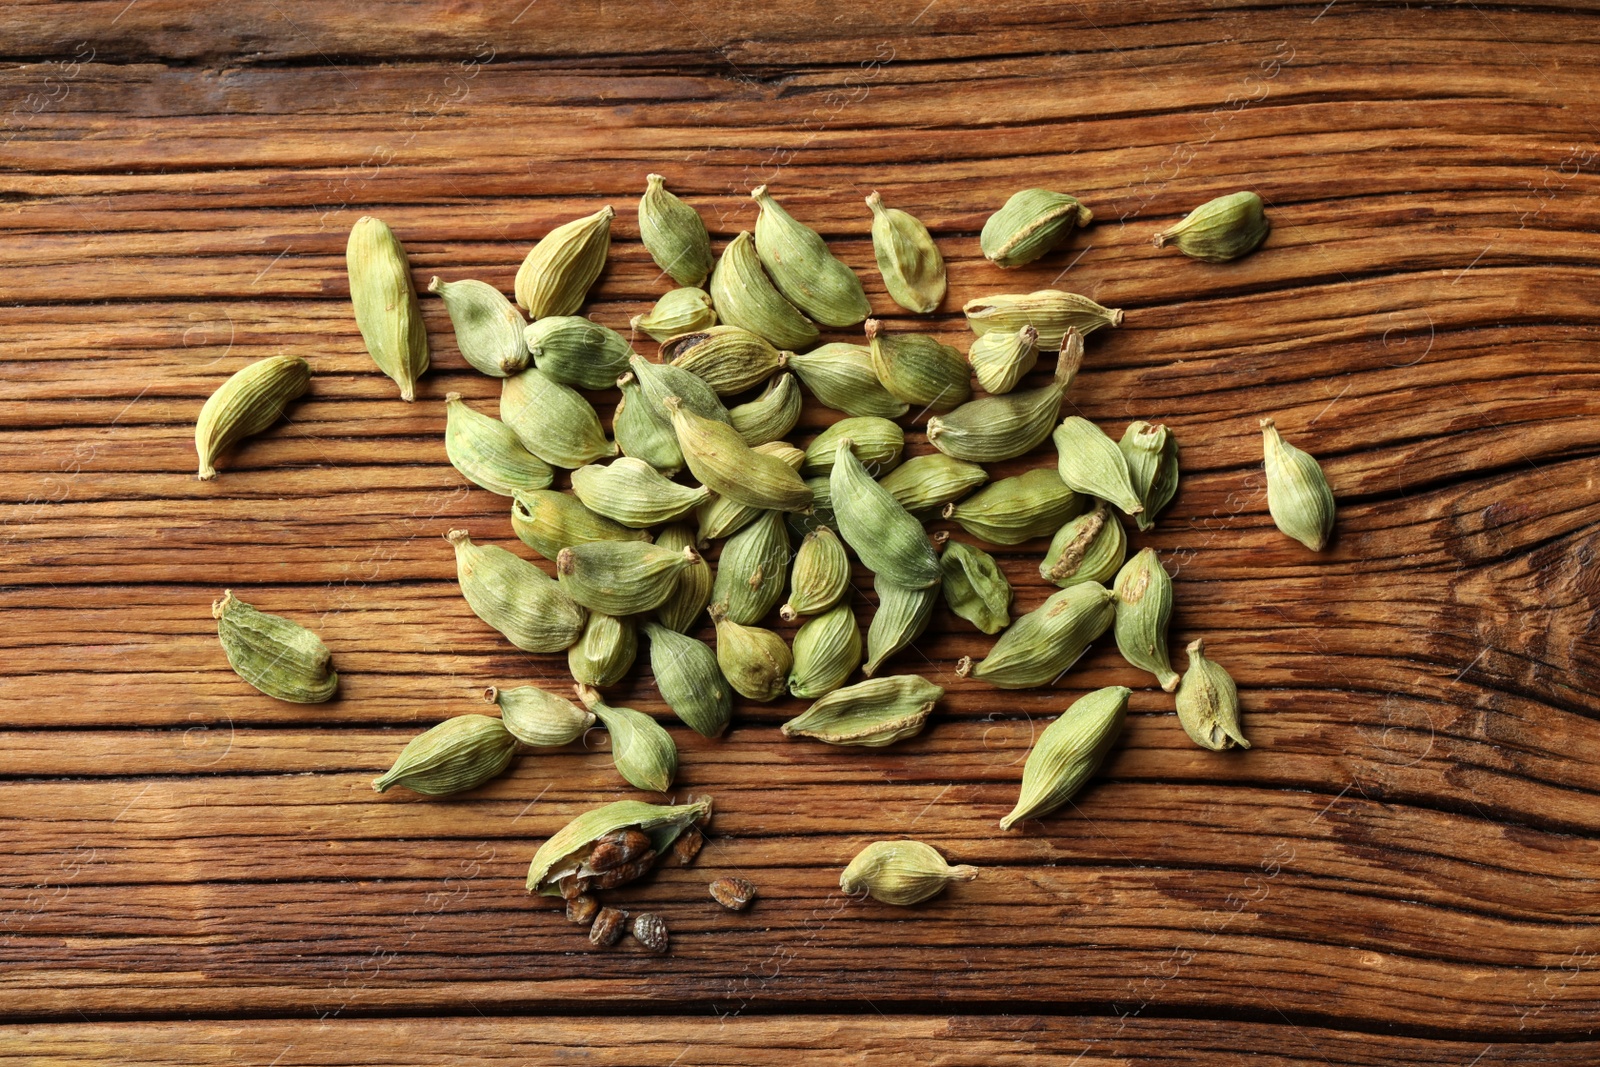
(1402, 870)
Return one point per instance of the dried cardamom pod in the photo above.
(1049, 311)
(488, 453)
(800, 265)
(820, 577)
(566, 852)
(974, 587)
(642, 432)
(604, 651)
(281, 658)
(873, 713)
(632, 492)
(1032, 222)
(923, 485)
(547, 521)
(459, 754)
(650, 930)
(538, 718)
(752, 569)
(515, 597)
(1208, 703)
(689, 679)
(827, 650)
(1044, 644)
(999, 359)
(1152, 455)
(755, 661)
(558, 271)
(488, 326)
(1297, 491)
(1088, 548)
(902, 616)
(996, 428)
(661, 380)
(727, 358)
(673, 233)
(885, 536)
(841, 376)
(718, 456)
(640, 747)
(577, 351)
(1013, 510)
(1219, 230)
(770, 416)
(1144, 607)
(385, 300)
(919, 369)
(553, 421)
(821, 513)
(901, 872)
(621, 577)
(720, 517)
(247, 403)
(912, 268)
(735, 894)
(745, 296)
(876, 442)
(1091, 463)
(1068, 752)
(692, 593)
(679, 311)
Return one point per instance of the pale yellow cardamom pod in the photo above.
(538, 718)
(745, 296)
(1068, 753)
(901, 872)
(1045, 643)
(488, 326)
(621, 577)
(674, 234)
(555, 277)
(1144, 607)
(720, 459)
(488, 453)
(1032, 222)
(874, 713)
(800, 265)
(827, 650)
(641, 748)
(679, 311)
(1297, 491)
(1220, 230)
(912, 268)
(770, 416)
(1208, 703)
(385, 300)
(247, 403)
(1090, 463)
(458, 754)
(515, 597)
(992, 429)
(755, 661)
(1049, 311)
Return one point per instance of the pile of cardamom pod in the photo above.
(697, 455)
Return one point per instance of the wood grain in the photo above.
(1404, 867)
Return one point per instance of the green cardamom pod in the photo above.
(632, 492)
(621, 577)
(923, 485)
(488, 326)
(1068, 752)
(689, 679)
(873, 713)
(902, 616)
(1208, 703)
(553, 421)
(515, 597)
(1044, 644)
(281, 658)
(912, 268)
(1297, 491)
(901, 872)
(1032, 222)
(821, 513)
(692, 593)
(642, 432)
(919, 369)
(1144, 608)
(755, 661)
(876, 442)
(752, 569)
(996, 428)
(247, 403)
(1219, 230)
(1049, 311)
(673, 233)
(999, 359)
(1017, 509)
(745, 296)
(884, 535)
(661, 380)
(643, 751)
(974, 587)
(841, 376)
(567, 852)
(385, 300)
(605, 650)
(679, 311)
(720, 517)
(555, 277)
(547, 521)
(487, 452)
(1091, 463)
(538, 718)
(1088, 548)
(1152, 455)
(770, 416)
(577, 351)
(827, 650)
(799, 263)
(459, 754)
(720, 459)
(820, 577)
(727, 358)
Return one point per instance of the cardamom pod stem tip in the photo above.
(964, 667)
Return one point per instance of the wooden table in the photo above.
(1402, 870)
